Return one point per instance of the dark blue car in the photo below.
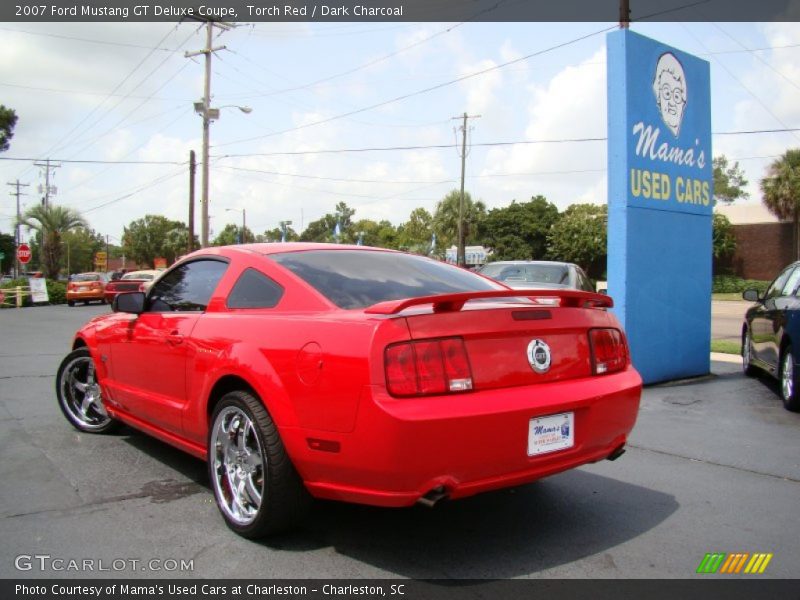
(771, 333)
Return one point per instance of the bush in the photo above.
(729, 284)
(8, 290)
(57, 291)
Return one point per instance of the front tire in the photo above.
(79, 395)
(255, 484)
(789, 393)
(747, 355)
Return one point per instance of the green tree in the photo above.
(380, 234)
(416, 234)
(445, 219)
(9, 249)
(781, 190)
(322, 230)
(80, 247)
(579, 236)
(724, 241)
(154, 236)
(275, 235)
(51, 223)
(232, 235)
(729, 181)
(8, 120)
(519, 231)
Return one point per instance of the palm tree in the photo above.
(781, 189)
(51, 222)
(445, 219)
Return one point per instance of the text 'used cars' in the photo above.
(356, 374)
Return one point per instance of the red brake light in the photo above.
(609, 351)
(428, 367)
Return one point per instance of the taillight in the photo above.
(428, 367)
(609, 351)
(71, 287)
(96, 285)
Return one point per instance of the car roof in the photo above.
(268, 248)
(530, 262)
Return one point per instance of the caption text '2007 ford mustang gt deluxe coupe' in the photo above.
(356, 374)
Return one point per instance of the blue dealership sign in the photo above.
(660, 198)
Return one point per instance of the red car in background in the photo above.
(353, 373)
(130, 282)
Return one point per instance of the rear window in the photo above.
(86, 277)
(142, 276)
(360, 278)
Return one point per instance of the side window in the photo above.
(776, 289)
(253, 289)
(187, 288)
(790, 287)
(584, 283)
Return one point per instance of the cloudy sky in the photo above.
(116, 99)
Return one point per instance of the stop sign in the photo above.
(24, 253)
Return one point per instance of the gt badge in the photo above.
(539, 356)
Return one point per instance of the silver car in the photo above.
(537, 274)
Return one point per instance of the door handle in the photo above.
(174, 338)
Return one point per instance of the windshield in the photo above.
(87, 277)
(528, 273)
(142, 276)
(360, 278)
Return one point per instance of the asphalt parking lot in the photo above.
(713, 466)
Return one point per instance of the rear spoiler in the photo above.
(455, 302)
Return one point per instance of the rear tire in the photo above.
(788, 378)
(257, 489)
(70, 303)
(747, 355)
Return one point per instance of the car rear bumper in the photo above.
(80, 296)
(400, 450)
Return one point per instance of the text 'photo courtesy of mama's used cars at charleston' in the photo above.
(338, 372)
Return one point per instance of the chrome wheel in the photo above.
(787, 377)
(238, 465)
(79, 393)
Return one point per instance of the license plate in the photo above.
(551, 433)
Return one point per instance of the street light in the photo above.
(242, 239)
(209, 114)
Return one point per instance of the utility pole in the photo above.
(48, 189)
(17, 239)
(460, 252)
(192, 173)
(208, 114)
(624, 14)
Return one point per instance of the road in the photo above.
(712, 466)
(726, 320)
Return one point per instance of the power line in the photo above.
(83, 93)
(98, 162)
(422, 91)
(481, 144)
(90, 41)
(113, 91)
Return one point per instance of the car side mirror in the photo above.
(129, 302)
(751, 295)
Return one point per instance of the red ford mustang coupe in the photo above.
(352, 373)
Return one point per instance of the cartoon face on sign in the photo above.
(669, 86)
